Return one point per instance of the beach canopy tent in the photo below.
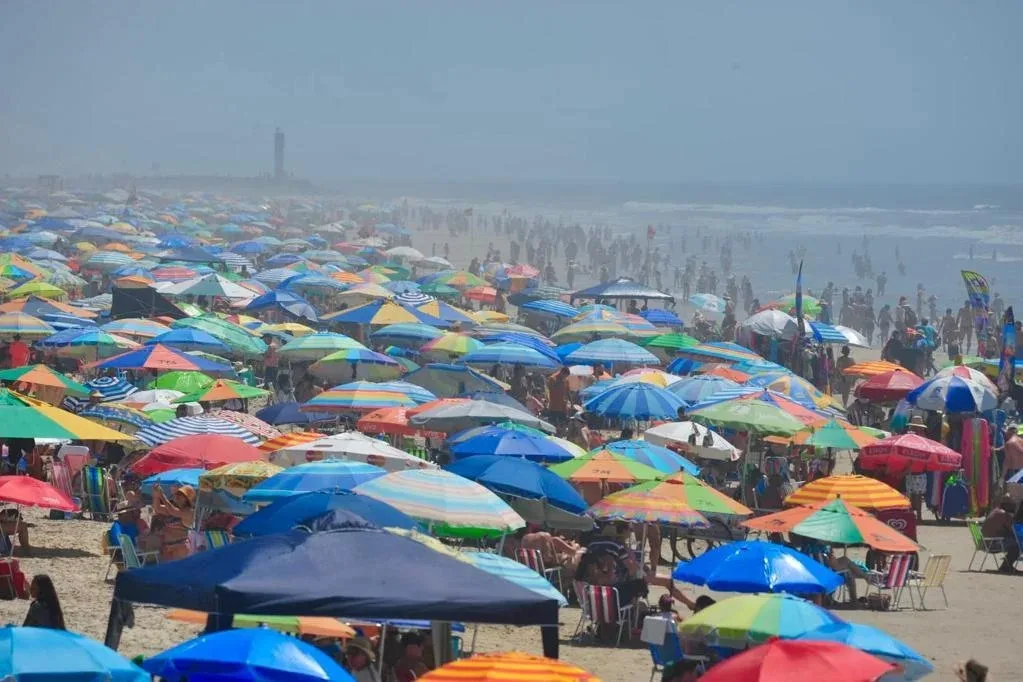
(622, 287)
(142, 302)
(359, 571)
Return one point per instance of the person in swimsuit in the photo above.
(172, 518)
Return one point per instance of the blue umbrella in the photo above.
(258, 654)
(42, 654)
(173, 478)
(289, 413)
(757, 567)
(188, 338)
(110, 389)
(249, 247)
(284, 259)
(611, 352)
(401, 286)
(655, 456)
(539, 343)
(511, 442)
(325, 474)
(417, 393)
(683, 366)
(696, 389)
(286, 513)
(447, 381)
(661, 317)
(520, 478)
(511, 354)
(406, 334)
(515, 572)
(877, 643)
(564, 350)
(555, 308)
(636, 400)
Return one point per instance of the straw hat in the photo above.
(363, 645)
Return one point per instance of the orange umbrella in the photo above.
(509, 666)
(347, 277)
(317, 626)
(394, 421)
(605, 466)
(695, 493)
(286, 440)
(19, 307)
(727, 373)
(835, 522)
(862, 491)
(869, 369)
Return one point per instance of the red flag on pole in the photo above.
(650, 232)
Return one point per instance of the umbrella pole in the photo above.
(380, 656)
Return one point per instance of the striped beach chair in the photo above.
(601, 605)
(893, 581)
(97, 499)
(534, 559)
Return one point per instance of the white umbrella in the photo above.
(854, 337)
(461, 416)
(352, 446)
(436, 261)
(678, 434)
(405, 252)
(155, 395)
(772, 323)
(209, 285)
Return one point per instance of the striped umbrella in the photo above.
(695, 493)
(860, 491)
(325, 474)
(604, 466)
(590, 331)
(836, 523)
(955, 389)
(312, 347)
(645, 507)
(871, 368)
(406, 335)
(274, 276)
(351, 446)
(120, 414)
(26, 326)
(513, 440)
(413, 298)
(157, 357)
(354, 364)
(382, 313)
(91, 345)
(449, 346)
(511, 354)
(190, 339)
(749, 619)
(696, 389)
(553, 308)
(41, 375)
(611, 352)
(708, 302)
(289, 439)
(357, 396)
(173, 273)
(110, 389)
(654, 456)
(636, 400)
(249, 422)
(417, 393)
(135, 328)
(107, 261)
(671, 341)
(808, 414)
(511, 666)
(237, 478)
(797, 388)
(448, 313)
(459, 279)
(450, 505)
(392, 421)
(515, 572)
(484, 294)
(709, 352)
(191, 426)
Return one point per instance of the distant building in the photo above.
(279, 154)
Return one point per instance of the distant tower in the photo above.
(279, 154)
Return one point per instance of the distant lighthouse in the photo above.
(279, 154)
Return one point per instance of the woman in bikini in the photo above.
(172, 520)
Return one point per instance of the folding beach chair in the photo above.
(933, 575)
(96, 496)
(217, 538)
(985, 546)
(660, 634)
(603, 606)
(534, 559)
(892, 581)
(132, 557)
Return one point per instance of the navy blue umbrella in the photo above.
(289, 413)
(520, 478)
(285, 514)
(346, 573)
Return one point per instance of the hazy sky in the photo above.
(550, 90)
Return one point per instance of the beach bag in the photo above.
(955, 502)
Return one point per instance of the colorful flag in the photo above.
(980, 296)
(799, 298)
(1007, 363)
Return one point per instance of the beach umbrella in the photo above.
(758, 567)
(135, 328)
(390, 420)
(708, 302)
(405, 252)
(351, 446)
(447, 380)
(158, 357)
(652, 455)
(587, 331)
(204, 449)
(611, 352)
(908, 452)
(810, 305)
(37, 288)
(162, 396)
(912, 665)
(691, 438)
(250, 654)
(451, 506)
(312, 626)
(118, 414)
(802, 661)
(48, 654)
(661, 317)
(190, 339)
(42, 375)
(172, 478)
(515, 572)
(861, 491)
(195, 425)
(771, 323)
(463, 415)
(23, 325)
(644, 507)
(510, 665)
(511, 354)
(284, 513)
(636, 400)
(107, 261)
(382, 313)
(871, 368)
(605, 466)
(289, 439)
(449, 346)
(557, 309)
(956, 389)
(110, 389)
(835, 435)
(40, 307)
(413, 298)
(212, 285)
(737, 622)
(26, 491)
(406, 335)
(696, 389)
(747, 415)
(249, 422)
(180, 382)
(671, 342)
(240, 340)
(312, 347)
(325, 474)
(793, 387)
(224, 486)
(695, 493)
(504, 439)
(354, 364)
(89, 344)
(357, 396)
(222, 390)
(289, 413)
(39, 420)
(888, 387)
(835, 522)
(518, 478)
(807, 412)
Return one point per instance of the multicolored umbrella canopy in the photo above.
(655, 456)
(382, 313)
(325, 474)
(352, 446)
(192, 426)
(748, 415)
(353, 364)
(42, 375)
(837, 523)
(118, 414)
(719, 351)
(448, 313)
(796, 388)
(872, 368)
(587, 331)
(314, 626)
(671, 342)
(708, 302)
(748, 619)
(758, 567)
(449, 346)
(447, 380)
(811, 306)
(89, 344)
(312, 347)
(235, 479)
(511, 666)
(39, 420)
(695, 493)
(605, 466)
(636, 400)
(289, 439)
(861, 491)
(835, 435)
(515, 572)
(23, 325)
(646, 507)
(908, 452)
(888, 387)
(222, 390)
(956, 389)
(38, 307)
(450, 505)
(406, 335)
(135, 328)
(775, 660)
(159, 357)
(357, 396)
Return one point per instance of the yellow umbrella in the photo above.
(85, 247)
(39, 420)
(509, 666)
(293, 328)
(485, 316)
(37, 288)
(860, 491)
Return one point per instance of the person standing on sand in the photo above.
(841, 381)
(44, 611)
(965, 320)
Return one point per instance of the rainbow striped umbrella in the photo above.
(26, 326)
(605, 466)
(712, 351)
(249, 422)
(511, 666)
(41, 375)
(357, 396)
(107, 261)
(135, 327)
(449, 346)
(459, 279)
(797, 388)
(645, 507)
(655, 456)
(753, 618)
(451, 506)
(312, 347)
(354, 364)
(695, 493)
(590, 331)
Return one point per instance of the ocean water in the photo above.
(935, 230)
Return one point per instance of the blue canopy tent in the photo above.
(623, 287)
(352, 572)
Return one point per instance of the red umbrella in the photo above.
(206, 451)
(888, 387)
(481, 293)
(779, 660)
(30, 492)
(910, 452)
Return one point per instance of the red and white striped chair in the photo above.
(534, 559)
(601, 605)
(892, 581)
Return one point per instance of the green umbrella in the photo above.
(748, 415)
(184, 381)
(161, 416)
(223, 389)
(8, 398)
(838, 437)
(41, 375)
(439, 289)
(671, 341)
(605, 465)
(238, 339)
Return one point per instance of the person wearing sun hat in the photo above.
(360, 659)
